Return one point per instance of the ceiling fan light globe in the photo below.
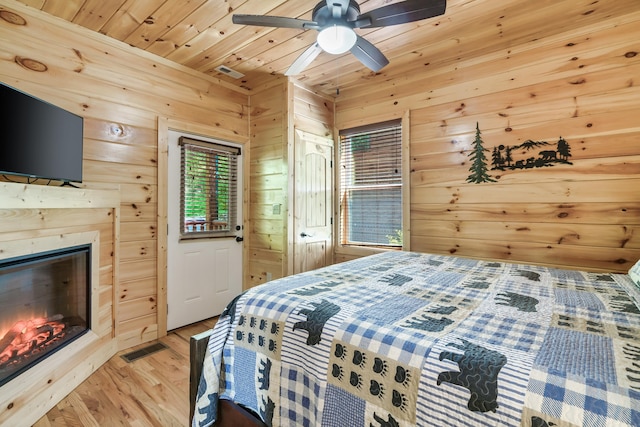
(337, 39)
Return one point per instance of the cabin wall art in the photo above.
(528, 155)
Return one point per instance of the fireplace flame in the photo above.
(27, 336)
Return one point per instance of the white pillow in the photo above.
(634, 273)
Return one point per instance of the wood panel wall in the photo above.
(312, 112)
(519, 78)
(268, 183)
(276, 110)
(120, 91)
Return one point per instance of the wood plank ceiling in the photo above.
(200, 34)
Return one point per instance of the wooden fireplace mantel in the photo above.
(36, 218)
(29, 196)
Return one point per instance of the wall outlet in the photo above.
(269, 276)
(277, 209)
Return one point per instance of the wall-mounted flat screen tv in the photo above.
(38, 139)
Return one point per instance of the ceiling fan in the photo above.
(335, 21)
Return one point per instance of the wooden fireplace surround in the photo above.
(37, 218)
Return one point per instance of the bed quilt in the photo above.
(407, 339)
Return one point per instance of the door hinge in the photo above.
(331, 164)
(331, 220)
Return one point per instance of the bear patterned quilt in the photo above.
(407, 339)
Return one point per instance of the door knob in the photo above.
(303, 234)
(239, 239)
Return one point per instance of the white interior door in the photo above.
(203, 275)
(313, 207)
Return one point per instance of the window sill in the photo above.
(361, 251)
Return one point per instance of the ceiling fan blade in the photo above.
(274, 21)
(401, 13)
(338, 8)
(304, 60)
(369, 55)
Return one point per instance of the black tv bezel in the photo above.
(63, 179)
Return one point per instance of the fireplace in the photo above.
(45, 304)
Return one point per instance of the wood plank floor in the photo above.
(150, 391)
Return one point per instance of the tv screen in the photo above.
(38, 139)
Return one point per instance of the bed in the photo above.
(410, 339)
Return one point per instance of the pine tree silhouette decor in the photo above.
(478, 168)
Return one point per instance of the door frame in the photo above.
(164, 125)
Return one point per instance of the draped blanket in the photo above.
(408, 339)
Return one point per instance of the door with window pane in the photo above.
(204, 258)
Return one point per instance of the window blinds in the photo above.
(371, 185)
(208, 188)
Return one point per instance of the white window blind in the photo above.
(371, 185)
(208, 189)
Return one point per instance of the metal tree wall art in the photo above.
(478, 167)
(503, 157)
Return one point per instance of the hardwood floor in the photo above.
(150, 391)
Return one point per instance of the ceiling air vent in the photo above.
(229, 72)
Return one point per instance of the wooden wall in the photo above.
(520, 77)
(276, 110)
(120, 91)
(312, 112)
(268, 183)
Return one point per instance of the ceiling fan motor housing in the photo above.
(324, 17)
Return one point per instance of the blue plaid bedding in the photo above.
(407, 339)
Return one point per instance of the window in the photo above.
(371, 185)
(208, 189)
